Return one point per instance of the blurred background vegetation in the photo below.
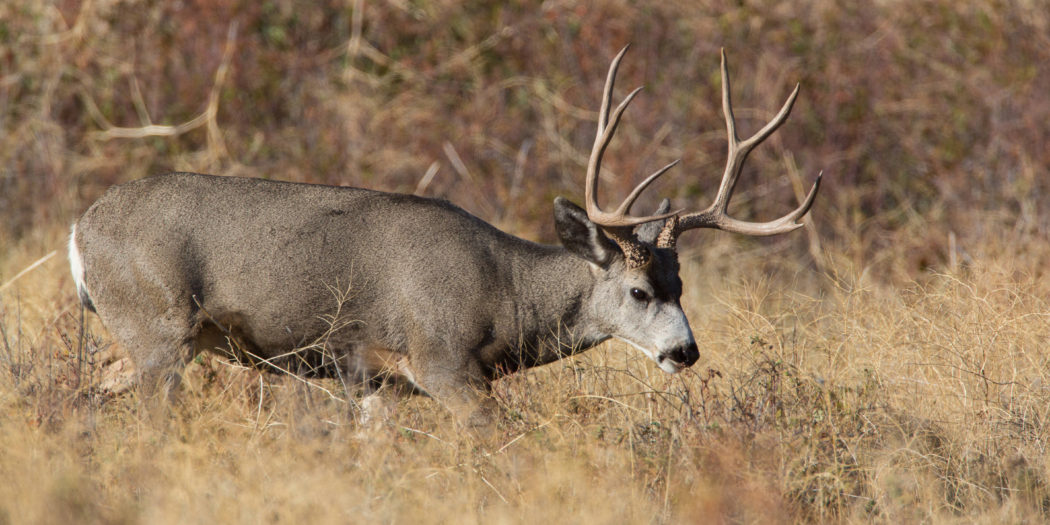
(886, 363)
(929, 119)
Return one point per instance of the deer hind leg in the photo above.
(159, 368)
(160, 345)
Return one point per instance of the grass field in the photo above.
(887, 363)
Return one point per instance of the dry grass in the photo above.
(890, 364)
(816, 398)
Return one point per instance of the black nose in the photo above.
(685, 354)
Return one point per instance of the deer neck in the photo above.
(552, 306)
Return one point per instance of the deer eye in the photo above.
(639, 294)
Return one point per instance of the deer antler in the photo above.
(715, 215)
(618, 223)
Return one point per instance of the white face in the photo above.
(677, 335)
(643, 309)
(638, 305)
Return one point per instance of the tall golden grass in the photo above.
(888, 363)
(815, 398)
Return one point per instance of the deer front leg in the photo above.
(383, 375)
(375, 410)
(461, 387)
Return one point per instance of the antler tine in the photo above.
(738, 149)
(715, 215)
(606, 129)
(787, 223)
(625, 207)
(610, 81)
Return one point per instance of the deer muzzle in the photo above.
(678, 358)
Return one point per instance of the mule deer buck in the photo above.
(437, 296)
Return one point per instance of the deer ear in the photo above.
(581, 236)
(647, 232)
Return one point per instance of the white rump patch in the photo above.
(76, 264)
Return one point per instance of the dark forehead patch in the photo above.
(663, 274)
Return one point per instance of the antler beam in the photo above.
(619, 218)
(715, 215)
